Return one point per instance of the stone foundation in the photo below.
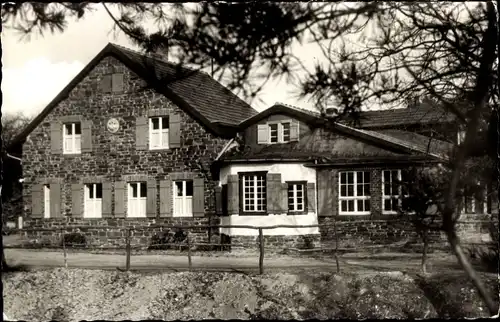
(354, 233)
(277, 243)
(351, 233)
(115, 237)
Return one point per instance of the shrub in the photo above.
(161, 240)
(74, 240)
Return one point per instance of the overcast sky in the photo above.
(36, 70)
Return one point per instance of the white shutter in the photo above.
(262, 134)
(78, 143)
(164, 138)
(46, 200)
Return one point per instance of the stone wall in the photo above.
(114, 155)
(276, 243)
(352, 233)
(142, 231)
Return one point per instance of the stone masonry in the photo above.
(114, 156)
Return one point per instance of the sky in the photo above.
(35, 70)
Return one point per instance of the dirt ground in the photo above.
(79, 294)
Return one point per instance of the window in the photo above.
(279, 132)
(93, 200)
(183, 198)
(137, 196)
(460, 136)
(354, 192)
(254, 192)
(296, 197)
(393, 190)
(72, 138)
(46, 201)
(158, 133)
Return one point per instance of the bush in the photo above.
(487, 255)
(161, 240)
(74, 240)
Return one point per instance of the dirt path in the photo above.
(250, 264)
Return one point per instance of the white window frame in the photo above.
(46, 201)
(399, 195)
(184, 202)
(295, 190)
(161, 132)
(141, 202)
(92, 207)
(280, 131)
(75, 148)
(460, 136)
(484, 204)
(253, 185)
(355, 197)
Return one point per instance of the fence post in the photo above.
(127, 243)
(189, 251)
(261, 257)
(64, 248)
(336, 243)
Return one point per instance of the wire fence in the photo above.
(68, 238)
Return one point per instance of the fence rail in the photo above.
(188, 243)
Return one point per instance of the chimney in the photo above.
(161, 53)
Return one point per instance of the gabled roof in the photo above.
(198, 94)
(421, 114)
(280, 108)
(344, 144)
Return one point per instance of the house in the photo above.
(129, 141)
(293, 168)
(134, 140)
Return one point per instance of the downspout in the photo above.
(13, 157)
(224, 149)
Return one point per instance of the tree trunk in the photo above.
(425, 239)
(464, 262)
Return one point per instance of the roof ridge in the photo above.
(151, 56)
(296, 108)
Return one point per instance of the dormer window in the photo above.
(273, 132)
(279, 132)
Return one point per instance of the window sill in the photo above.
(159, 149)
(75, 154)
(293, 213)
(253, 213)
(183, 216)
(354, 213)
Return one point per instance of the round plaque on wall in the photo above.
(113, 125)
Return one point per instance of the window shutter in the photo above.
(56, 137)
(151, 199)
(37, 201)
(273, 181)
(166, 198)
(141, 133)
(106, 84)
(198, 197)
(294, 130)
(77, 200)
(326, 193)
(311, 197)
(174, 131)
(233, 194)
(117, 83)
(86, 136)
(106, 199)
(218, 200)
(262, 134)
(55, 200)
(120, 190)
(284, 197)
